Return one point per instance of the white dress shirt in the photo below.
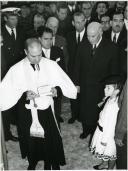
(10, 30)
(126, 23)
(47, 52)
(81, 35)
(112, 35)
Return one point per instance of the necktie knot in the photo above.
(35, 67)
(114, 38)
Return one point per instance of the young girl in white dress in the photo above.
(103, 143)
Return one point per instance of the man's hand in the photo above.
(78, 89)
(31, 95)
(54, 92)
(119, 142)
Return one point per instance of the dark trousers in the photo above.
(121, 162)
(88, 129)
(8, 117)
(75, 107)
(57, 106)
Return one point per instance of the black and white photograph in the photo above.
(63, 88)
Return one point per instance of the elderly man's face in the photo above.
(101, 9)
(105, 22)
(34, 53)
(93, 36)
(79, 23)
(46, 40)
(117, 23)
(53, 25)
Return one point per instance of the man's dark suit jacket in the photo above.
(72, 46)
(62, 44)
(88, 73)
(13, 50)
(122, 45)
(122, 39)
(56, 54)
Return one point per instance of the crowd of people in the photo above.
(75, 49)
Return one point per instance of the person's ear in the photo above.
(25, 51)
(73, 23)
(110, 22)
(5, 19)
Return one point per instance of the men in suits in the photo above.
(96, 58)
(13, 52)
(59, 41)
(117, 33)
(86, 8)
(73, 40)
(56, 54)
(13, 39)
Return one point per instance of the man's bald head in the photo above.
(33, 50)
(53, 24)
(94, 32)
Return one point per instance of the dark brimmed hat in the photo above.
(113, 79)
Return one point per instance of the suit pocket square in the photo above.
(58, 59)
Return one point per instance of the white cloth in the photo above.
(21, 77)
(107, 121)
(47, 52)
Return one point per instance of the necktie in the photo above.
(78, 39)
(114, 38)
(12, 34)
(93, 50)
(35, 67)
(86, 24)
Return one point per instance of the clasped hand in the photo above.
(32, 95)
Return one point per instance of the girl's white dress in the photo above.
(107, 120)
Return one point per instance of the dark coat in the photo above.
(72, 50)
(62, 43)
(49, 148)
(88, 73)
(13, 50)
(56, 53)
(122, 39)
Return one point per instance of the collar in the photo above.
(46, 52)
(112, 35)
(10, 30)
(126, 23)
(97, 44)
(81, 34)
